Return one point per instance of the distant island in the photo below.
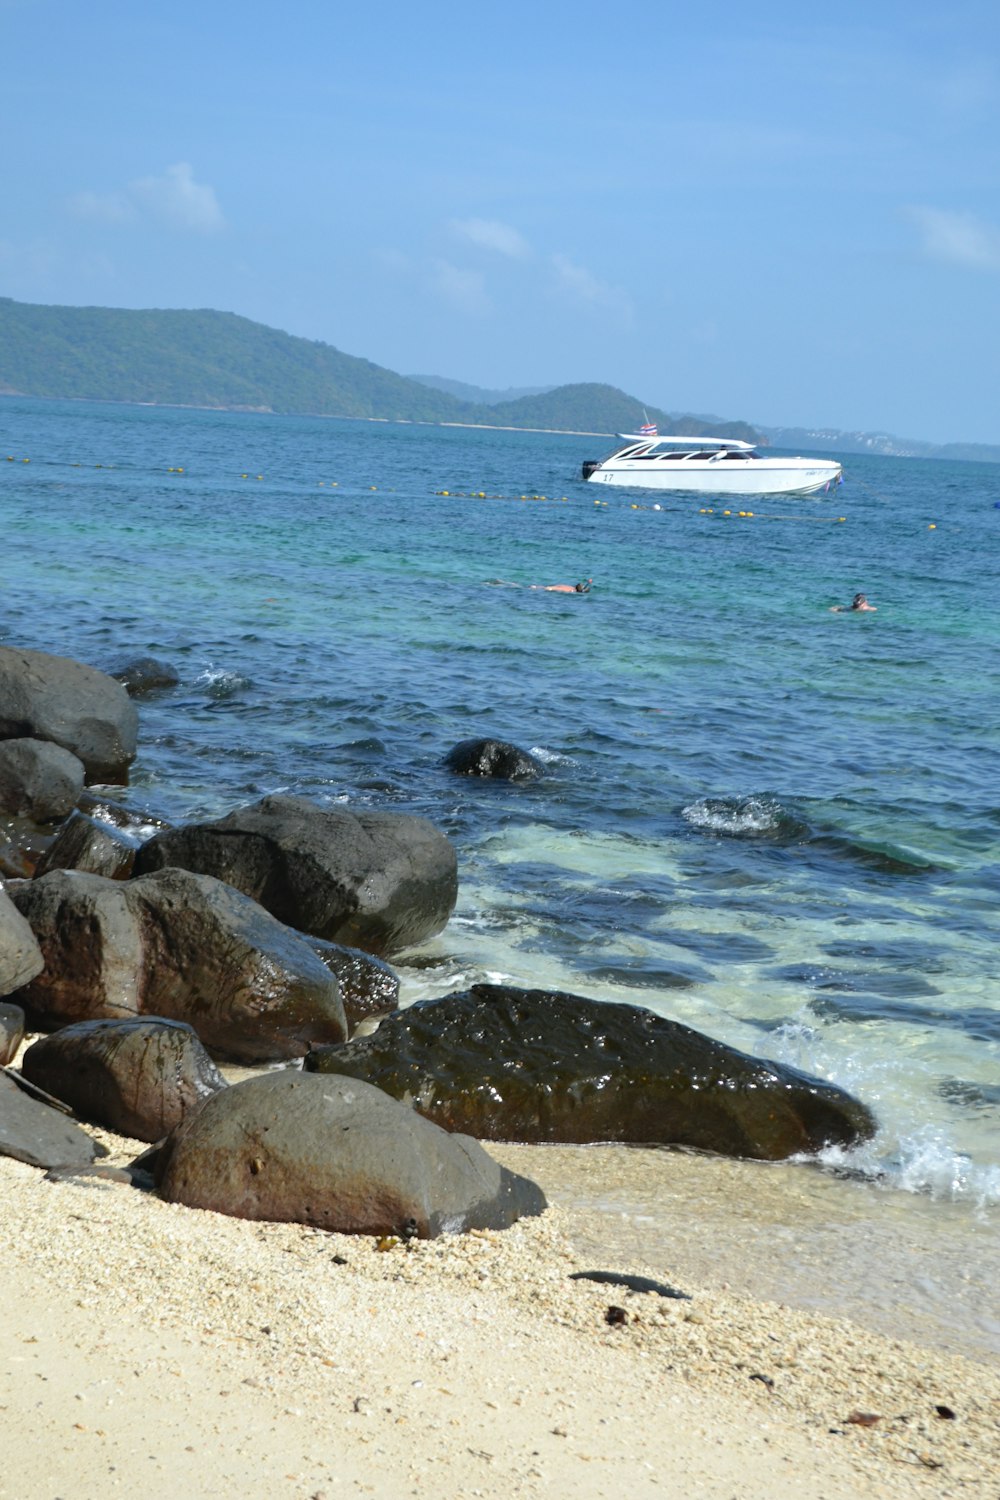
(223, 361)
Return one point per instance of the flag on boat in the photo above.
(648, 429)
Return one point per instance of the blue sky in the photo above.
(781, 212)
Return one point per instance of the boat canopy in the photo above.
(686, 442)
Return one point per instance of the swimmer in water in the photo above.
(858, 603)
(583, 587)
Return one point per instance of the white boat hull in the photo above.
(730, 476)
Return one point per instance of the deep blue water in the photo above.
(764, 819)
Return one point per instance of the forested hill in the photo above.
(217, 359)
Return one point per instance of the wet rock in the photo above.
(38, 780)
(180, 946)
(377, 881)
(39, 1135)
(144, 675)
(337, 1154)
(20, 956)
(53, 698)
(532, 1065)
(11, 1032)
(82, 843)
(494, 758)
(141, 1078)
(368, 987)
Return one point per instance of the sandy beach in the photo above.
(153, 1349)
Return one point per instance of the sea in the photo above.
(763, 817)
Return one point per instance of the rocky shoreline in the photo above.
(487, 1361)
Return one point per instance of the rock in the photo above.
(139, 1078)
(11, 1032)
(493, 758)
(378, 881)
(38, 780)
(180, 946)
(339, 1155)
(531, 1065)
(52, 698)
(39, 1135)
(368, 987)
(20, 956)
(83, 843)
(144, 675)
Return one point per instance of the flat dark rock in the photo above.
(533, 1065)
(32, 1132)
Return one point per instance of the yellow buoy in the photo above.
(932, 526)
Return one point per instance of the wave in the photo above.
(759, 816)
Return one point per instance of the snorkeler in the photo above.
(583, 587)
(859, 602)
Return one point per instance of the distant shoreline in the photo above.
(324, 416)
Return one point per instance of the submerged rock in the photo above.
(141, 1078)
(534, 1065)
(494, 758)
(337, 1154)
(144, 675)
(378, 881)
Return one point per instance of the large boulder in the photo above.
(38, 780)
(496, 758)
(337, 1154)
(374, 880)
(89, 844)
(532, 1065)
(11, 1032)
(140, 1078)
(52, 698)
(39, 1135)
(20, 956)
(182, 946)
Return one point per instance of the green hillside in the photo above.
(216, 359)
(604, 408)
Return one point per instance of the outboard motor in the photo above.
(589, 466)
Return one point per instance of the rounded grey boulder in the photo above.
(339, 1155)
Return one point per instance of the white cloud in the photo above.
(465, 290)
(490, 234)
(961, 239)
(585, 286)
(174, 198)
(178, 200)
(109, 208)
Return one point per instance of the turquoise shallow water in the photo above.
(775, 823)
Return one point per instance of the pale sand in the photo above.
(157, 1351)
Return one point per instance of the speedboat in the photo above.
(708, 466)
